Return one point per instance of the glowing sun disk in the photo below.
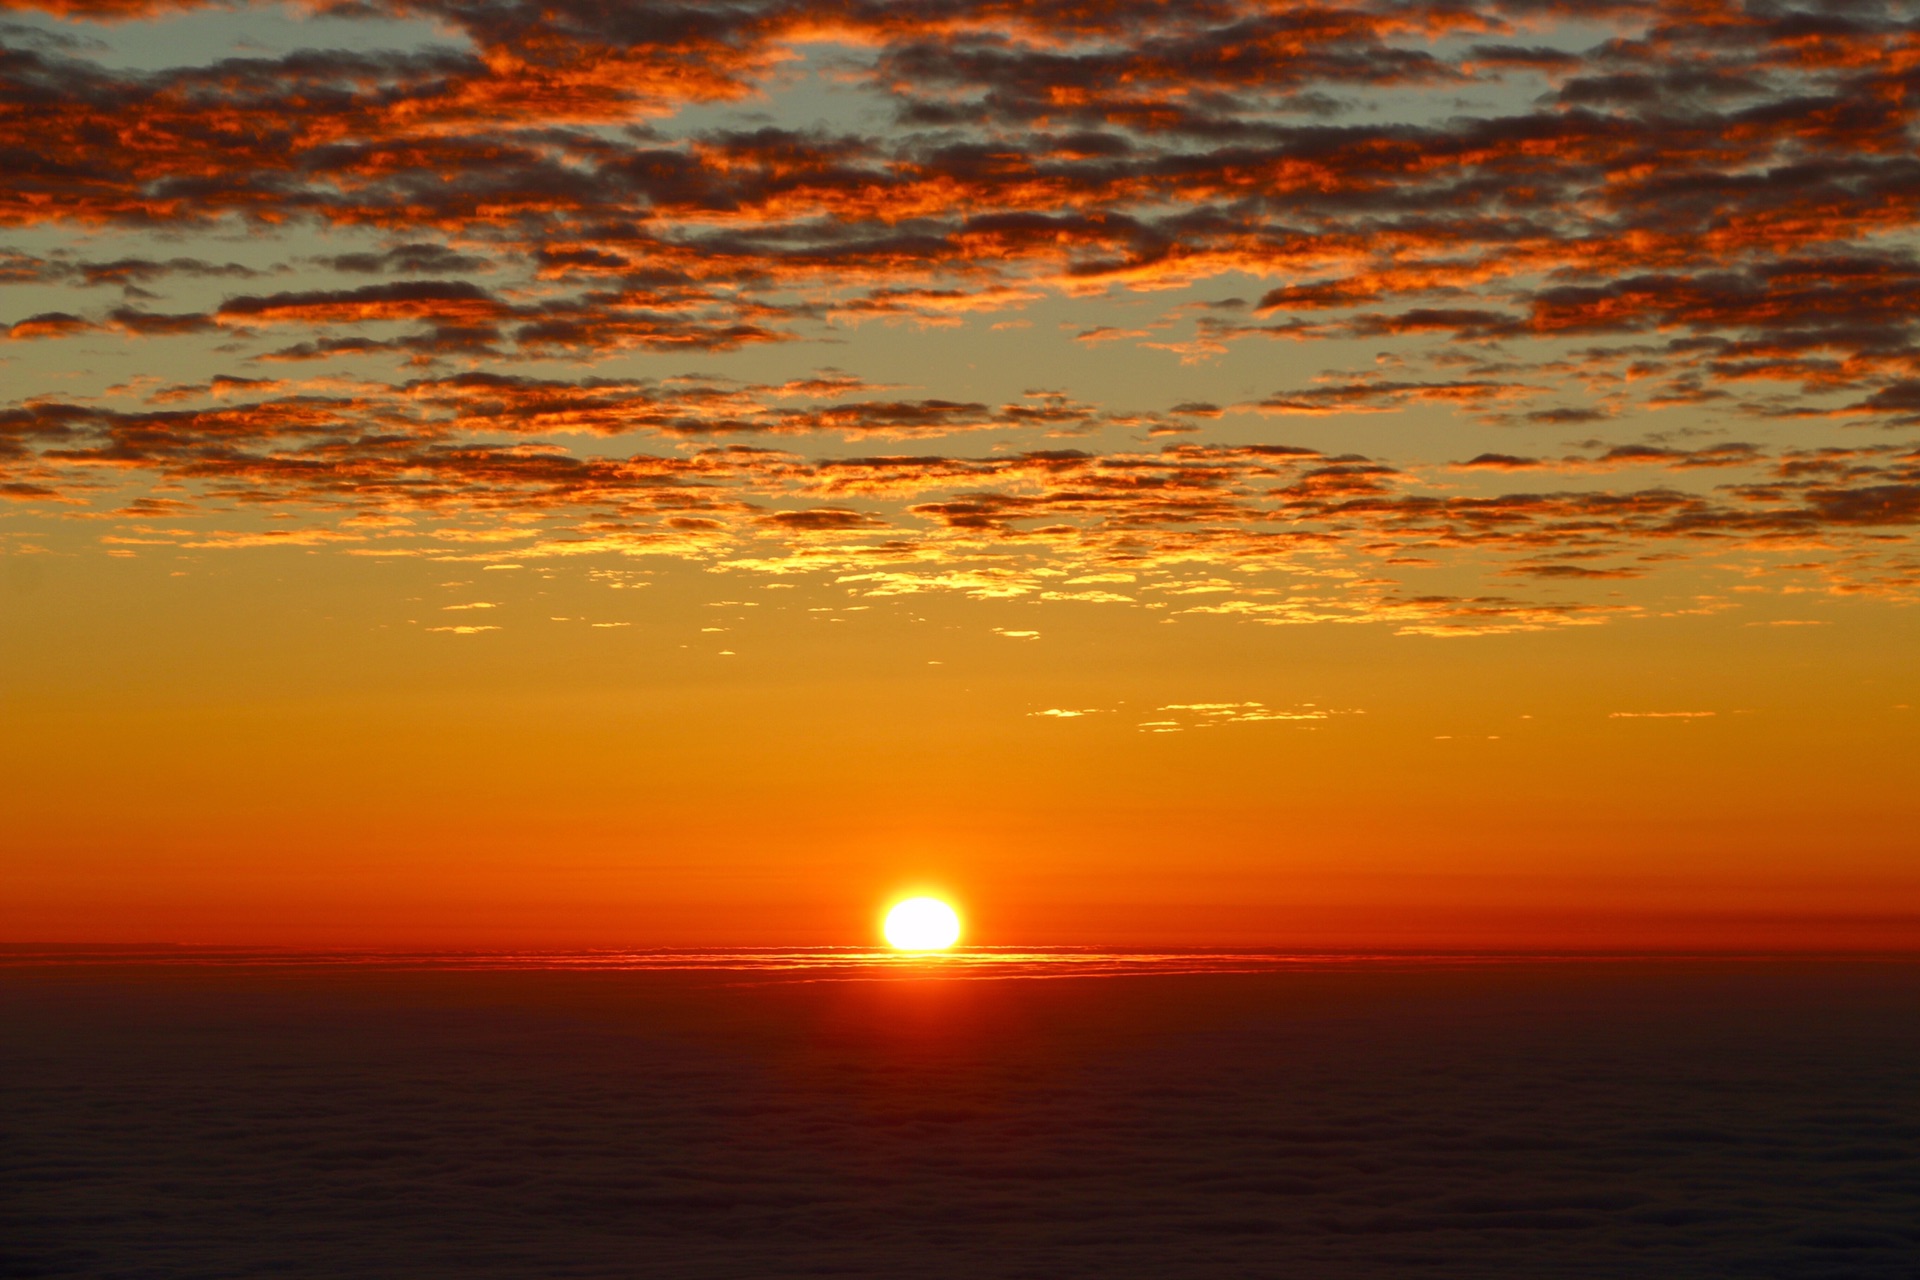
(922, 924)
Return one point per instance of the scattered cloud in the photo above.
(1697, 220)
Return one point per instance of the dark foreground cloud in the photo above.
(1614, 1121)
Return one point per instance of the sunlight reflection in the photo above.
(818, 964)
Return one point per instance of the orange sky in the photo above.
(294, 778)
(1384, 477)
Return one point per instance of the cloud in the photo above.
(418, 258)
(480, 456)
(48, 324)
(1381, 396)
(1203, 715)
(1661, 715)
(1144, 1118)
(1704, 212)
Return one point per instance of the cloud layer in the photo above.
(1547, 219)
(1601, 1120)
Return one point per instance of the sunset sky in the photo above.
(1217, 473)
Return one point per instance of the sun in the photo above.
(922, 924)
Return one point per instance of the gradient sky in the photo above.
(1226, 472)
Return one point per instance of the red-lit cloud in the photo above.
(1710, 210)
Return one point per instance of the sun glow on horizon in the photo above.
(921, 924)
